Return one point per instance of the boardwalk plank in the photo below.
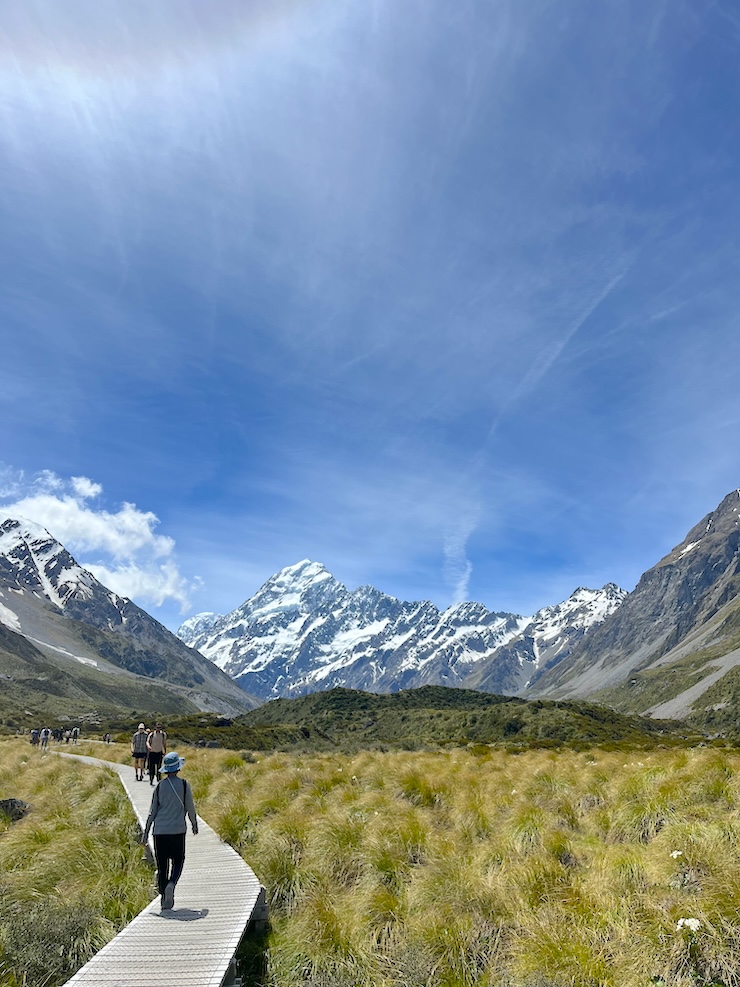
(194, 944)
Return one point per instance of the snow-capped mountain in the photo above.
(197, 625)
(31, 560)
(549, 637)
(303, 631)
(70, 618)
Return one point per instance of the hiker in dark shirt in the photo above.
(172, 801)
(139, 751)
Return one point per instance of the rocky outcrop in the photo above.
(13, 808)
(679, 595)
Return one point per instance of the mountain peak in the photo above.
(298, 578)
(718, 524)
(303, 631)
(90, 625)
(300, 587)
(32, 559)
(19, 529)
(303, 571)
(674, 610)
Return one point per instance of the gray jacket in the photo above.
(171, 800)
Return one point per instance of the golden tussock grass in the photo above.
(71, 871)
(454, 869)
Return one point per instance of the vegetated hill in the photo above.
(431, 716)
(304, 631)
(97, 646)
(674, 636)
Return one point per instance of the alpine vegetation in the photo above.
(72, 873)
(428, 869)
(489, 868)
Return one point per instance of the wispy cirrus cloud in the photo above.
(458, 567)
(409, 267)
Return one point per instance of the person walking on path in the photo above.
(156, 744)
(172, 801)
(139, 751)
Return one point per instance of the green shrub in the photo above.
(45, 942)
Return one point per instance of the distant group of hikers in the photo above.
(148, 748)
(172, 802)
(41, 737)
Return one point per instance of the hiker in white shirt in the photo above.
(156, 745)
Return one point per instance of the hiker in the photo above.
(45, 734)
(172, 801)
(156, 745)
(75, 734)
(34, 737)
(139, 751)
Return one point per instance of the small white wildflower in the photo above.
(676, 854)
(689, 923)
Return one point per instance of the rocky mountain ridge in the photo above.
(72, 622)
(303, 631)
(675, 635)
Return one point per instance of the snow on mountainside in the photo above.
(548, 638)
(197, 625)
(60, 607)
(556, 628)
(303, 631)
(30, 558)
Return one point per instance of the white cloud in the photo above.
(121, 548)
(155, 583)
(457, 566)
(85, 488)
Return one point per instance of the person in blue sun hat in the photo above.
(172, 801)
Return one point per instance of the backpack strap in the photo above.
(184, 792)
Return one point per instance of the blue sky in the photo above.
(444, 296)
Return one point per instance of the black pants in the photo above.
(154, 763)
(169, 852)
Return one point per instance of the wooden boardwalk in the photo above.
(194, 944)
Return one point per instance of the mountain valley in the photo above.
(669, 649)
